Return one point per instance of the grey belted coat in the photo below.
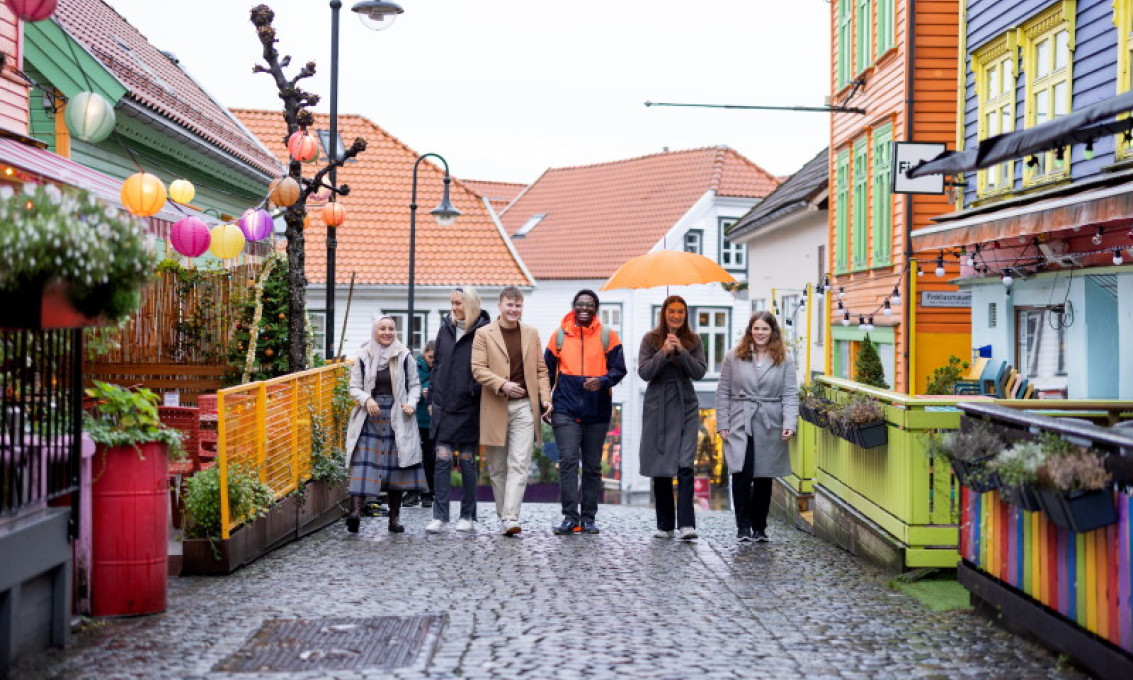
(759, 403)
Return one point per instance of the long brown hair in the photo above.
(745, 349)
(684, 333)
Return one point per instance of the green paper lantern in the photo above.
(89, 117)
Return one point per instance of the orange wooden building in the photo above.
(897, 61)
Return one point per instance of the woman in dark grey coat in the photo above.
(455, 397)
(670, 359)
(757, 410)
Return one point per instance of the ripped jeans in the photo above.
(442, 488)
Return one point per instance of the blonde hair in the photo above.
(471, 306)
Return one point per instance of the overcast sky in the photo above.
(505, 89)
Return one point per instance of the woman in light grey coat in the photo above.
(382, 439)
(670, 359)
(757, 411)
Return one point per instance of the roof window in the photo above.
(530, 224)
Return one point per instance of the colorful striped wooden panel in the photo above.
(1086, 578)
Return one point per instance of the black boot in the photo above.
(395, 512)
(354, 520)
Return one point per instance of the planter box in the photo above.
(1023, 497)
(291, 518)
(1079, 511)
(968, 473)
(813, 416)
(867, 436)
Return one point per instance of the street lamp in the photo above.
(377, 15)
(445, 214)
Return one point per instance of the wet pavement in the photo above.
(616, 605)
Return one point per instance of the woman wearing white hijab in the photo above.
(382, 437)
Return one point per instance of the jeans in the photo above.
(751, 496)
(428, 457)
(509, 465)
(575, 441)
(663, 500)
(442, 489)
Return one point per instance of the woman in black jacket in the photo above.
(455, 396)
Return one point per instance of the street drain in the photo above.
(337, 644)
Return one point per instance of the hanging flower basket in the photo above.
(974, 475)
(1023, 496)
(870, 435)
(1079, 511)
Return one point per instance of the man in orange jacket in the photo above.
(585, 361)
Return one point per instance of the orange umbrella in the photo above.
(667, 268)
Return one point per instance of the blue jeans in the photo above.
(578, 441)
(442, 488)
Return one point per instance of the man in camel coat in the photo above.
(507, 359)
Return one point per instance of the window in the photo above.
(841, 205)
(318, 338)
(820, 313)
(1123, 20)
(793, 318)
(733, 256)
(1047, 43)
(339, 149)
(758, 305)
(611, 317)
(862, 29)
(1040, 347)
(860, 206)
(845, 41)
(882, 195)
(420, 331)
(994, 70)
(530, 224)
(712, 324)
(885, 32)
(694, 241)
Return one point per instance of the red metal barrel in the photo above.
(130, 522)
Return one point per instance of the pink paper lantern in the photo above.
(256, 224)
(31, 10)
(190, 236)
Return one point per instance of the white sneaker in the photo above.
(436, 526)
(661, 533)
(465, 525)
(511, 527)
(686, 533)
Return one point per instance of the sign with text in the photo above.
(908, 154)
(942, 298)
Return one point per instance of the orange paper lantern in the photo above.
(302, 146)
(334, 214)
(143, 194)
(283, 191)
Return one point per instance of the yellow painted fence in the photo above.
(267, 427)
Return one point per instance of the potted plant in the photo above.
(812, 404)
(861, 420)
(1073, 487)
(1017, 469)
(129, 500)
(80, 260)
(969, 453)
(249, 499)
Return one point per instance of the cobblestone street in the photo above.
(617, 605)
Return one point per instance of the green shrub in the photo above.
(944, 378)
(868, 370)
(248, 499)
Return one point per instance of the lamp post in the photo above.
(445, 214)
(376, 15)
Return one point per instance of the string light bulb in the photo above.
(895, 298)
(1118, 260)
(846, 319)
(861, 322)
(1096, 239)
(919, 272)
(886, 309)
(841, 292)
(826, 283)
(869, 322)
(1088, 154)
(819, 291)
(939, 267)
(1007, 280)
(972, 257)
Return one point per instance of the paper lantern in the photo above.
(256, 224)
(32, 10)
(143, 194)
(302, 146)
(190, 236)
(182, 191)
(283, 192)
(227, 241)
(89, 116)
(334, 214)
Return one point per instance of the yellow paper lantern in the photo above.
(227, 241)
(283, 192)
(143, 194)
(182, 191)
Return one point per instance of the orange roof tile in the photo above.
(156, 81)
(374, 242)
(500, 194)
(603, 214)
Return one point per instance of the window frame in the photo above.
(714, 363)
(318, 339)
(729, 250)
(845, 42)
(859, 204)
(882, 198)
(841, 206)
(863, 29)
(399, 323)
(1025, 356)
(699, 235)
(1061, 16)
(612, 307)
(993, 57)
(886, 15)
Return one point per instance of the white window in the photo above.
(694, 241)
(318, 338)
(420, 331)
(713, 324)
(790, 316)
(611, 317)
(340, 148)
(733, 256)
(530, 224)
(1040, 347)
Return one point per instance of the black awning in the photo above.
(1068, 129)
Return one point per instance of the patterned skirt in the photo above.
(373, 468)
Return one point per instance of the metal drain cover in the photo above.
(339, 643)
